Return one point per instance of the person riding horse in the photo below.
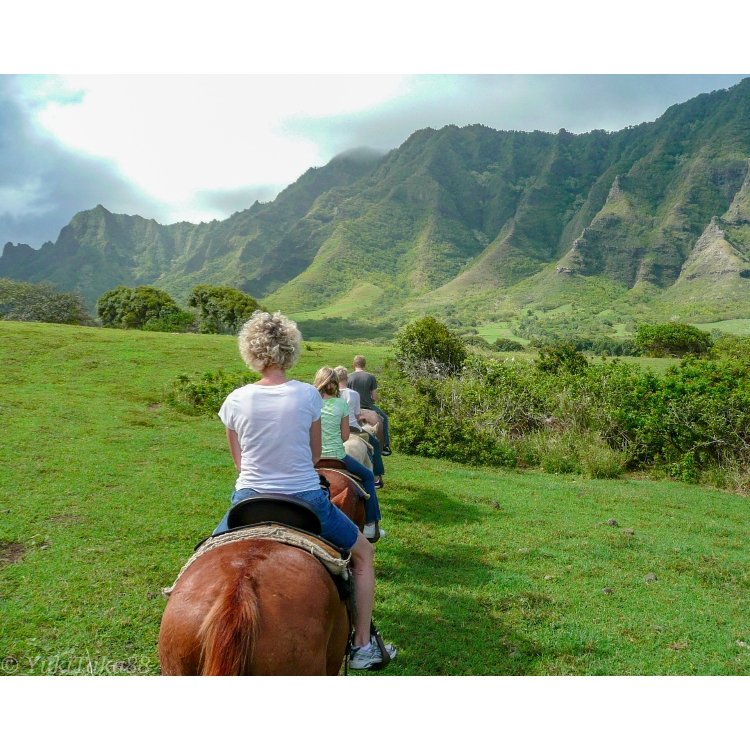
(274, 433)
(335, 428)
(356, 422)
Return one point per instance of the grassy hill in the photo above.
(105, 490)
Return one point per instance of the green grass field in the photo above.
(737, 326)
(105, 490)
(493, 331)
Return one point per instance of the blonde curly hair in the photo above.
(269, 339)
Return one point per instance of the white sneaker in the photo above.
(369, 656)
(369, 531)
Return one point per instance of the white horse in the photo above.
(359, 449)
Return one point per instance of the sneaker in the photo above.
(378, 484)
(385, 451)
(369, 532)
(370, 656)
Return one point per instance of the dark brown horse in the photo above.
(258, 607)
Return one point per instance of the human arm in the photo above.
(234, 449)
(345, 428)
(316, 441)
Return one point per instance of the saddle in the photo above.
(331, 463)
(337, 465)
(271, 508)
(302, 530)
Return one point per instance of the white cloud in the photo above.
(174, 137)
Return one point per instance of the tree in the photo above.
(429, 347)
(144, 306)
(222, 309)
(41, 302)
(672, 339)
(561, 357)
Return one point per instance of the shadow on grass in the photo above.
(441, 601)
(438, 607)
(411, 503)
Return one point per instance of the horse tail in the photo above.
(230, 629)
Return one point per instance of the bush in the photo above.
(600, 461)
(204, 394)
(598, 420)
(222, 309)
(430, 347)
(600, 345)
(478, 342)
(171, 321)
(672, 339)
(123, 307)
(561, 358)
(728, 346)
(507, 345)
(42, 303)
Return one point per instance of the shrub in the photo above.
(123, 307)
(204, 394)
(728, 346)
(222, 309)
(42, 303)
(478, 342)
(600, 461)
(672, 339)
(507, 345)
(430, 347)
(171, 321)
(598, 420)
(601, 345)
(561, 358)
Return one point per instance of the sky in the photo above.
(200, 147)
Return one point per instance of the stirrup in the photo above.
(386, 660)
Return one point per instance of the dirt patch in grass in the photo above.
(65, 519)
(11, 552)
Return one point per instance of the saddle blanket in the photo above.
(334, 561)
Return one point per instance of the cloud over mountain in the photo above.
(42, 184)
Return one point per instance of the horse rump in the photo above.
(254, 607)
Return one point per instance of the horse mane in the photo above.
(230, 629)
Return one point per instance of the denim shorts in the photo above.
(335, 526)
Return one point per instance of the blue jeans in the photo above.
(377, 459)
(386, 425)
(335, 525)
(372, 507)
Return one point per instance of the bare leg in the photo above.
(364, 588)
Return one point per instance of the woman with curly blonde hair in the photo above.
(274, 434)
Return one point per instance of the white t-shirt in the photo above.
(272, 423)
(352, 398)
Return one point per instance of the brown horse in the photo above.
(258, 607)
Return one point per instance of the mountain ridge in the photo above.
(466, 221)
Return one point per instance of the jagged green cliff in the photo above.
(651, 222)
